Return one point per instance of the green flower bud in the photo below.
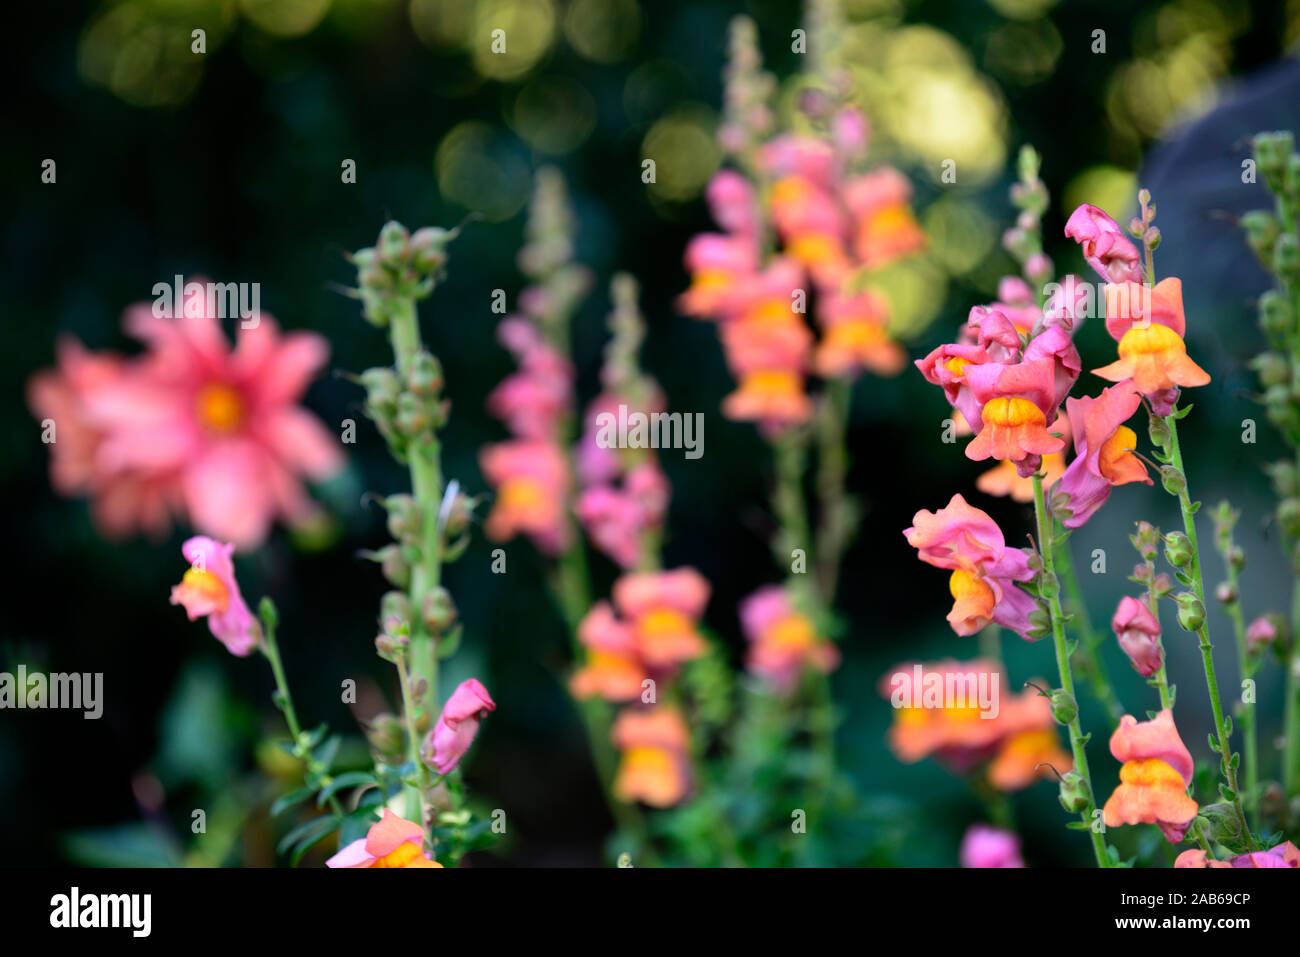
(1191, 613)
(1274, 313)
(395, 604)
(1178, 550)
(1286, 480)
(438, 612)
(1159, 431)
(1261, 230)
(1064, 707)
(1075, 796)
(1221, 823)
(403, 516)
(1272, 368)
(1048, 586)
(1286, 256)
(413, 418)
(1173, 479)
(425, 378)
(394, 243)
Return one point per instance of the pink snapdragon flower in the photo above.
(1105, 246)
(532, 481)
(1104, 448)
(782, 640)
(451, 737)
(1156, 772)
(1138, 633)
(966, 541)
(209, 590)
(392, 841)
(987, 846)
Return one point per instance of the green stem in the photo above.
(1291, 754)
(1175, 459)
(569, 586)
(271, 651)
(1089, 650)
(1078, 743)
(414, 796)
(423, 460)
(1161, 678)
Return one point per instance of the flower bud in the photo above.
(1064, 708)
(438, 611)
(425, 378)
(1146, 540)
(1191, 613)
(1138, 633)
(1221, 823)
(384, 732)
(1272, 368)
(403, 516)
(413, 418)
(394, 567)
(1178, 550)
(395, 604)
(394, 243)
(1159, 431)
(1163, 585)
(1261, 632)
(1048, 585)
(1074, 794)
(382, 388)
(1274, 313)
(429, 246)
(1286, 256)
(1173, 480)
(1226, 593)
(1261, 230)
(1285, 478)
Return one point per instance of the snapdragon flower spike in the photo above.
(1155, 774)
(654, 767)
(451, 737)
(1149, 325)
(392, 841)
(718, 265)
(884, 227)
(1104, 449)
(1138, 633)
(986, 846)
(782, 640)
(1105, 246)
(613, 669)
(966, 541)
(209, 589)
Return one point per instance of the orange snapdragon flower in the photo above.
(654, 767)
(1149, 325)
(1155, 774)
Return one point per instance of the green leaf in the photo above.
(287, 801)
(326, 753)
(351, 779)
(313, 830)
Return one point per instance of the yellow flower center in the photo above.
(664, 621)
(772, 382)
(405, 853)
(522, 495)
(711, 280)
(1122, 443)
(1151, 772)
(220, 408)
(1012, 412)
(1150, 340)
(207, 587)
(791, 632)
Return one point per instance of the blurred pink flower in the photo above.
(532, 480)
(782, 641)
(191, 426)
(986, 846)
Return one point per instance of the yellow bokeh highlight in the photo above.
(526, 30)
(603, 31)
(684, 151)
(959, 232)
(553, 115)
(476, 167)
(1110, 188)
(285, 18)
